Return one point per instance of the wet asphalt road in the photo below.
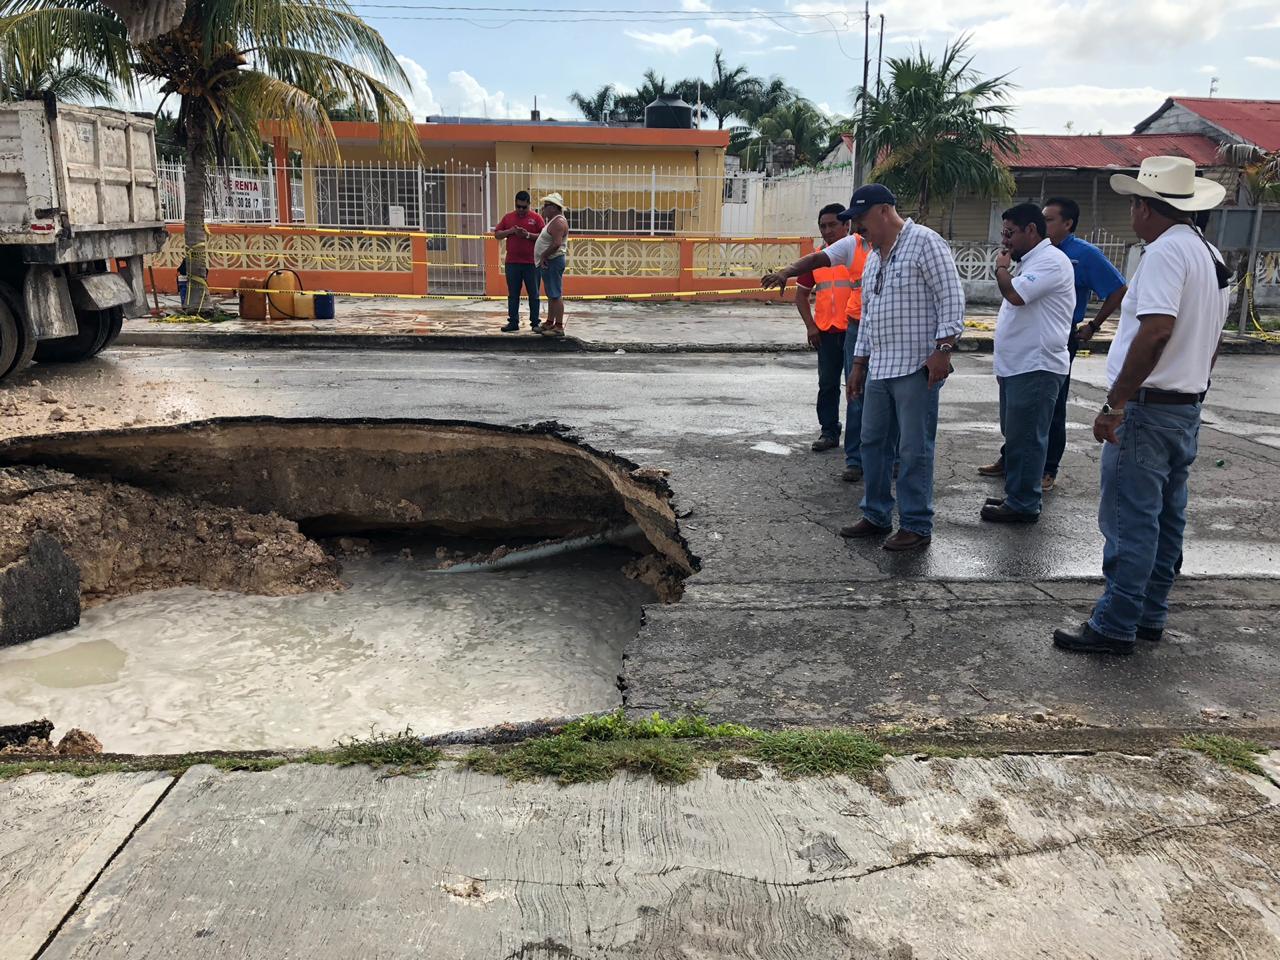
(787, 622)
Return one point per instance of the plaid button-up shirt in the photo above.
(918, 302)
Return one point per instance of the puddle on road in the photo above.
(189, 669)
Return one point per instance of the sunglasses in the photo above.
(522, 206)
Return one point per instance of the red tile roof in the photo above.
(1257, 121)
(1104, 152)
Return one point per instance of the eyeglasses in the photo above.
(1007, 233)
(522, 206)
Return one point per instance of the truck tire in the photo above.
(115, 324)
(90, 337)
(9, 340)
(17, 339)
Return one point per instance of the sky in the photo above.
(1079, 65)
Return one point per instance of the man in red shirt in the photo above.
(520, 228)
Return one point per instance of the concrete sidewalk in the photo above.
(592, 326)
(1069, 857)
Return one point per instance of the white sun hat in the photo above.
(553, 198)
(1173, 180)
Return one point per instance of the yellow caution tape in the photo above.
(498, 297)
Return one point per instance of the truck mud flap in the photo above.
(99, 291)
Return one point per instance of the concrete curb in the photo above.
(190, 340)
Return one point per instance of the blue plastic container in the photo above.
(182, 290)
(325, 307)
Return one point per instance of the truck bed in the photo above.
(83, 170)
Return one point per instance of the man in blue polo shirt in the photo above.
(1095, 276)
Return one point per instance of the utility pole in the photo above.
(880, 57)
(858, 158)
(1213, 86)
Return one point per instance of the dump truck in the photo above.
(79, 210)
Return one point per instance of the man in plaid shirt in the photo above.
(912, 316)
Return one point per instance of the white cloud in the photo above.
(475, 101)
(464, 96)
(421, 100)
(1267, 63)
(677, 41)
(783, 48)
(695, 6)
(1166, 25)
(1088, 108)
(1208, 70)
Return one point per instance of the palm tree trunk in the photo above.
(194, 233)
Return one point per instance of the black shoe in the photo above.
(1151, 634)
(824, 442)
(851, 474)
(994, 501)
(535, 327)
(511, 327)
(1088, 640)
(1006, 514)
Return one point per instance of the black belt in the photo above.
(1148, 395)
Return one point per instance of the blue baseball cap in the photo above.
(866, 197)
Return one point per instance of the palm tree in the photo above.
(601, 106)
(1260, 177)
(798, 123)
(729, 90)
(937, 129)
(234, 65)
(23, 77)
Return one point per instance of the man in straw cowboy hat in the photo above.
(549, 257)
(1158, 367)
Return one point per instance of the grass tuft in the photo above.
(404, 750)
(817, 753)
(616, 726)
(1229, 751)
(568, 759)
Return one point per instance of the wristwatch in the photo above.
(946, 347)
(1109, 411)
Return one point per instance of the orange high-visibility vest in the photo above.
(831, 288)
(854, 303)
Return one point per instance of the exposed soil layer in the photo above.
(125, 540)
(350, 476)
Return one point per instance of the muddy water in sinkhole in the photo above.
(189, 669)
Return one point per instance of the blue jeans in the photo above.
(1027, 402)
(830, 366)
(908, 407)
(552, 274)
(1142, 515)
(1058, 429)
(522, 275)
(853, 412)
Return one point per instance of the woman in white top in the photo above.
(548, 256)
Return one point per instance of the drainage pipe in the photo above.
(540, 551)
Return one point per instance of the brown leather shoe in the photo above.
(864, 529)
(1046, 484)
(992, 469)
(906, 540)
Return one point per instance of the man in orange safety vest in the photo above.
(837, 302)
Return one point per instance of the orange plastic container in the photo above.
(282, 284)
(253, 305)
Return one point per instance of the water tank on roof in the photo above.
(669, 112)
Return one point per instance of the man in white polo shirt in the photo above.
(1158, 367)
(1031, 359)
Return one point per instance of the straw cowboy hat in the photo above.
(1173, 180)
(553, 198)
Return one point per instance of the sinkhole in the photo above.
(259, 583)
